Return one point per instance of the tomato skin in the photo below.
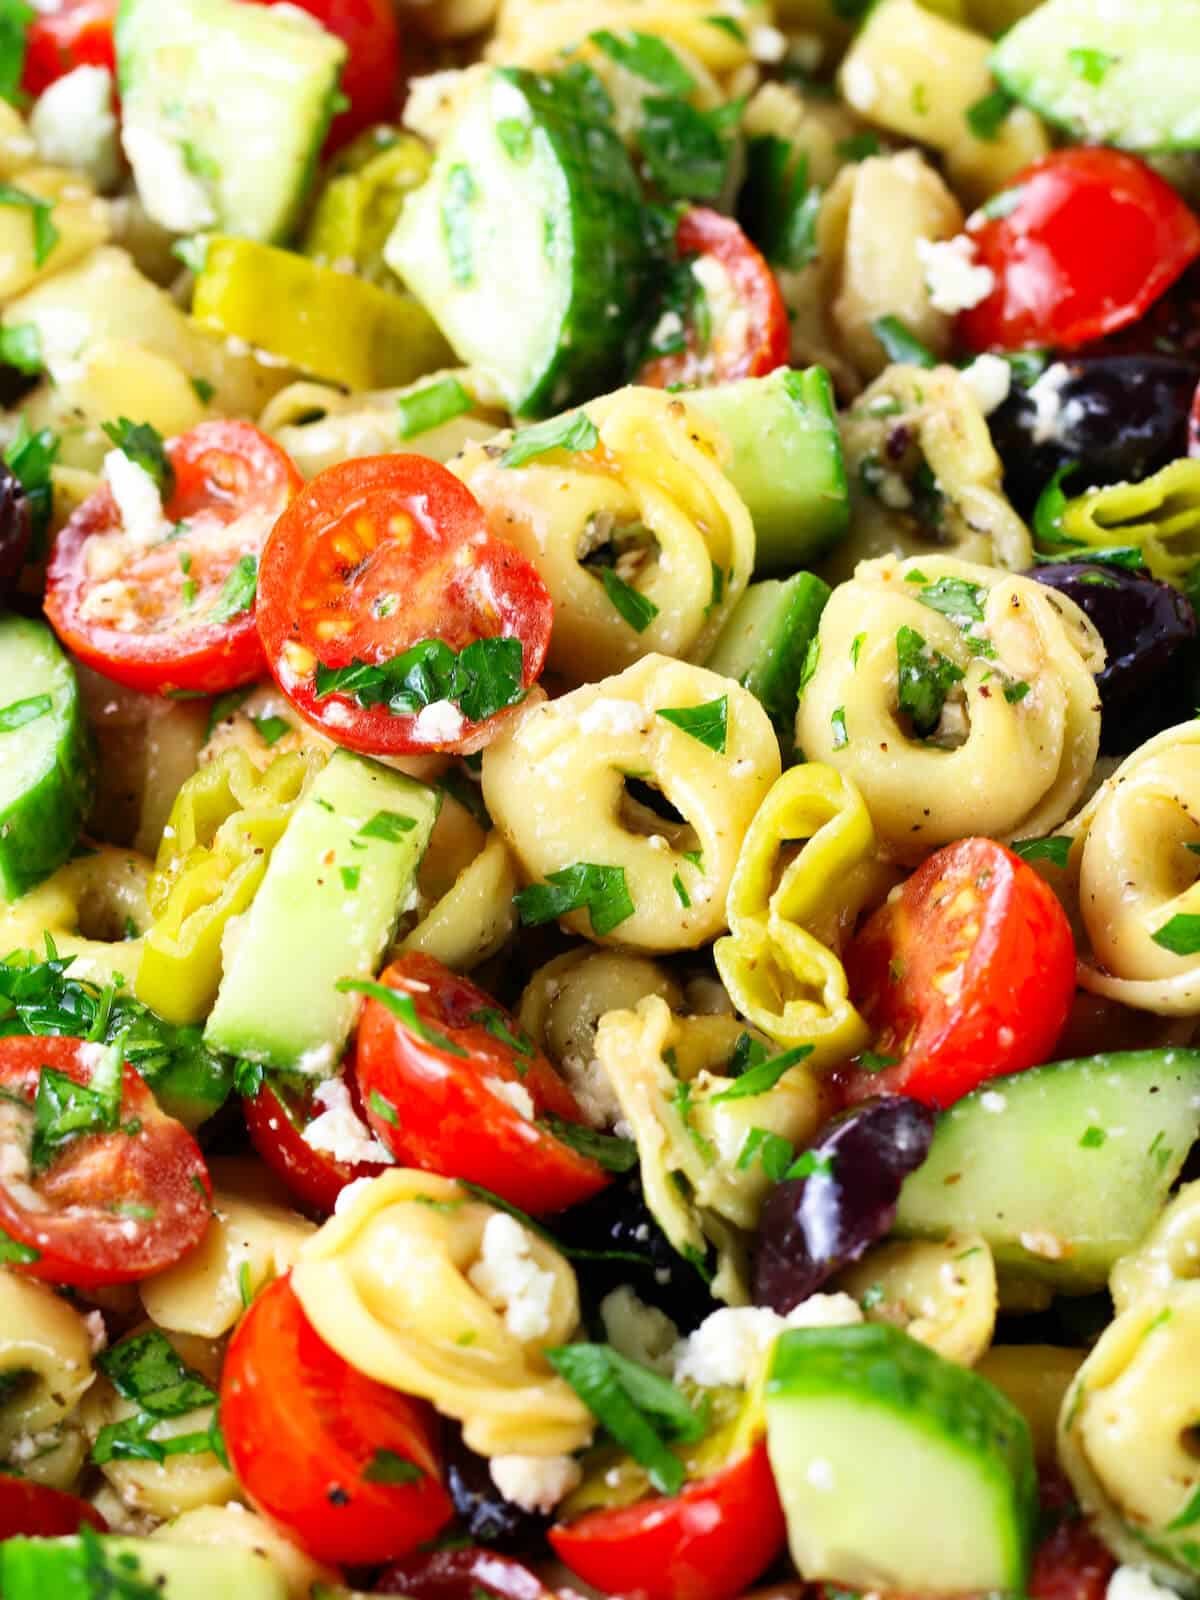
(75, 33)
(1095, 237)
(976, 909)
(766, 345)
(371, 75)
(373, 557)
(275, 1120)
(302, 1427)
(447, 1120)
(35, 1511)
(225, 473)
(709, 1542)
(461, 1575)
(81, 1239)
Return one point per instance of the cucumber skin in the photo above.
(767, 658)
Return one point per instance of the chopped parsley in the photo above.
(681, 894)
(772, 1151)
(1091, 65)
(837, 722)
(238, 591)
(385, 1466)
(986, 116)
(1055, 849)
(15, 1254)
(402, 1007)
(924, 679)
(687, 152)
(606, 1149)
(955, 598)
(707, 723)
(429, 407)
(271, 729)
(388, 825)
(755, 1072)
(601, 891)
(811, 1165)
(482, 679)
(574, 431)
(646, 57)
(634, 607)
(21, 347)
(45, 234)
(901, 345)
(145, 447)
(1051, 503)
(1181, 935)
(1093, 1138)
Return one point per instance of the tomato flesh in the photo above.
(965, 974)
(70, 34)
(1093, 238)
(164, 630)
(113, 1207)
(275, 1119)
(443, 1109)
(325, 1452)
(373, 558)
(708, 1542)
(748, 341)
(36, 1511)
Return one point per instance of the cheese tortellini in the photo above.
(532, 33)
(555, 783)
(45, 1368)
(940, 1292)
(961, 700)
(95, 909)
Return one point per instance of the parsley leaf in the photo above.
(681, 894)
(429, 407)
(901, 345)
(637, 610)
(388, 825)
(1091, 65)
(21, 347)
(686, 152)
(493, 1019)
(986, 116)
(271, 729)
(147, 1369)
(31, 457)
(15, 1254)
(773, 1152)
(574, 431)
(810, 1165)
(955, 598)
(601, 890)
(385, 1466)
(707, 723)
(925, 677)
(19, 712)
(238, 591)
(64, 1110)
(841, 735)
(606, 1149)
(763, 1072)
(144, 446)
(482, 679)
(15, 17)
(45, 234)
(403, 1009)
(778, 205)
(1181, 935)
(1051, 503)
(646, 57)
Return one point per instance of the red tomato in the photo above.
(116, 1206)
(231, 483)
(319, 1448)
(371, 76)
(706, 1543)
(276, 1118)
(374, 557)
(431, 1100)
(66, 35)
(967, 973)
(1093, 238)
(34, 1511)
(461, 1575)
(738, 346)
(1070, 1563)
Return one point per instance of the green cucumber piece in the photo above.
(526, 243)
(327, 908)
(194, 1082)
(787, 462)
(1063, 1168)
(1109, 73)
(83, 1568)
(765, 641)
(224, 110)
(868, 1432)
(45, 762)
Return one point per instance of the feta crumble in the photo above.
(1133, 1583)
(729, 1346)
(439, 723)
(508, 1277)
(138, 500)
(612, 716)
(171, 194)
(339, 1130)
(953, 277)
(989, 379)
(1046, 395)
(535, 1483)
(74, 125)
(514, 1095)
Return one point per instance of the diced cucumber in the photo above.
(224, 110)
(45, 756)
(1109, 73)
(1062, 1168)
(787, 462)
(765, 641)
(91, 1566)
(327, 909)
(869, 1434)
(527, 244)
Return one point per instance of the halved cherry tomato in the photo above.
(1091, 239)
(178, 613)
(966, 973)
(275, 1119)
(374, 557)
(371, 76)
(442, 1099)
(706, 1543)
(65, 34)
(1070, 1562)
(461, 1575)
(748, 324)
(109, 1207)
(35, 1511)
(346, 1466)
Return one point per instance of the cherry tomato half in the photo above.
(965, 974)
(1091, 239)
(177, 613)
(35, 1511)
(747, 323)
(275, 1119)
(371, 76)
(66, 35)
(108, 1207)
(373, 558)
(451, 1099)
(1070, 1563)
(461, 1575)
(347, 1467)
(706, 1543)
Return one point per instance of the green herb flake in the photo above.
(986, 116)
(773, 1152)
(873, 1295)
(762, 1075)
(45, 234)
(245, 1285)
(837, 722)
(1189, 1516)
(633, 606)
(385, 1466)
(21, 347)
(609, 1151)
(859, 147)
(1092, 1138)
(812, 658)
(870, 1061)
(483, 679)
(955, 598)
(646, 57)
(707, 723)
(146, 448)
(1014, 693)
(681, 894)
(383, 1108)
(1003, 203)
(403, 1008)
(271, 729)
(601, 890)
(388, 825)
(429, 407)
(811, 1165)
(924, 679)
(1091, 65)
(15, 1254)
(1054, 848)
(147, 1369)
(202, 389)
(516, 137)
(856, 645)
(574, 431)
(457, 199)
(15, 17)
(350, 877)
(1181, 935)
(494, 1020)
(238, 591)
(728, 25)
(687, 152)
(20, 712)
(248, 1079)
(900, 345)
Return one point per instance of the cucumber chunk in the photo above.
(84, 1568)
(224, 111)
(1109, 73)
(787, 462)
(1063, 1168)
(869, 1434)
(45, 761)
(526, 244)
(327, 909)
(765, 642)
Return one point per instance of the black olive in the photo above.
(16, 530)
(487, 1516)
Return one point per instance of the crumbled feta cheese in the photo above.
(767, 44)
(339, 1130)
(730, 318)
(74, 125)
(989, 379)
(729, 1346)
(535, 1483)
(97, 1332)
(1133, 1583)
(859, 84)
(955, 281)
(642, 1333)
(439, 723)
(589, 1082)
(171, 194)
(513, 1094)
(508, 1277)
(27, 1446)
(612, 716)
(668, 328)
(138, 499)
(893, 492)
(1040, 1242)
(1046, 395)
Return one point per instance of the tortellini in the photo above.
(80, 221)
(398, 1284)
(45, 1368)
(1001, 668)
(941, 1293)
(791, 910)
(94, 908)
(1168, 1255)
(555, 783)
(234, 1525)
(1035, 1377)
(532, 33)
(474, 919)
(666, 1075)
(650, 500)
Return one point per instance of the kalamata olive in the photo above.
(1119, 418)
(16, 529)
(461, 1575)
(1145, 626)
(487, 1516)
(812, 1227)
